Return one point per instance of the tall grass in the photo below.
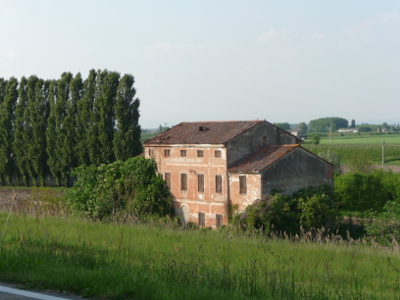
(160, 261)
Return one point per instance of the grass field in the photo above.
(350, 145)
(362, 139)
(161, 262)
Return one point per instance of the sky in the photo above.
(208, 60)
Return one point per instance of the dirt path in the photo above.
(395, 169)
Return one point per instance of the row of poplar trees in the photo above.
(53, 126)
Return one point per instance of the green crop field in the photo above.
(351, 144)
(362, 139)
(138, 261)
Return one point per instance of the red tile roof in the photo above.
(261, 159)
(203, 132)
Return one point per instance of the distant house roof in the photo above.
(261, 159)
(203, 132)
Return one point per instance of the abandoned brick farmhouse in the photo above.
(211, 165)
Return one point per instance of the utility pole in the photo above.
(383, 154)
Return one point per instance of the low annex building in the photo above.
(211, 165)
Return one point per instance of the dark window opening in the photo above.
(200, 182)
(167, 152)
(219, 222)
(200, 153)
(218, 183)
(151, 152)
(242, 183)
(183, 153)
(201, 128)
(264, 140)
(183, 182)
(167, 178)
(202, 219)
(217, 153)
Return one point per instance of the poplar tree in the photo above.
(127, 135)
(7, 118)
(102, 133)
(67, 152)
(63, 98)
(3, 88)
(52, 132)
(85, 120)
(21, 135)
(37, 114)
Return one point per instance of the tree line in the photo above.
(54, 126)
(326, 124)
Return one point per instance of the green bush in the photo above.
(359, 191)
(309, 208)
(385, 228)
(132, 186)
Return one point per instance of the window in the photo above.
(167, 152)
(167, 178)
(242, 185)
(218, 183)
(217, 153)
(183, 153)
(183, 182)
(218, 218)
(202, 219)
(200, 182)
(200, 153)
(264, 140)
(151, 152)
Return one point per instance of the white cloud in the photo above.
(164, 46)
(362, 29)
(273, 34)
(314, 37)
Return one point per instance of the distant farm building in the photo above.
(210, 166)
(300, 134)
(354, 130)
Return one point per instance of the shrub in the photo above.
(333, 158)
(309, 208)
(360, 162)
(385, 229)
(316, 138)
(358, 191)
(132, 186)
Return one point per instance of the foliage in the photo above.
(284, 125)
(309, 208)
(364, 128)
(385, 228)
(127, 136)
(316, 138)
(333, 158)
(132, 186)
(302, 127)
(323, 124)
(55, 125)
(8, 100)
(22, 137)
(360, 191)
(360, 163)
